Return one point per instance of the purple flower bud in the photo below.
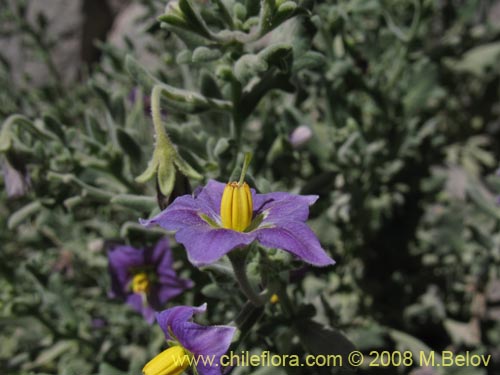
(300, 136)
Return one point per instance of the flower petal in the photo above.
(161, 293)
(121, 259)
(164, 286)
(176, 316)
(297, 239)
(211, 341)
(205, 245)
(283, 206)
(184, 211)
(211, 195)
(200, 340)
(136, 301)
(168, 284)
(161, 256)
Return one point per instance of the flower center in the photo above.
(140, 283)
(236, 208)
(172, 361)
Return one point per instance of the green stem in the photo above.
(237, 121)
(162, 138)
(285, 302)
(246, 319)
(238, 261)
(244, 169)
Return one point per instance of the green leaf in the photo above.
(249, 66)
(285, 11)
(309, 61)
(107, 369)
(279, 55)
(54, 126)
(139, 73)
(184, 57)
(23, 214)
(129, 145)
(214, 291)
(193, 18)
(477, 59)
(191, 102)
(135, 202)
(484, 200)
(203, 54)
(54, 351)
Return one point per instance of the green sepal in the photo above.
(209, 221)
(166, 176)
(150, 171)
(185, 168)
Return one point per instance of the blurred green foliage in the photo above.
(403, 100)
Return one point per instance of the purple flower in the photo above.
(145, 278)
(17, 180)
(189, 339)
(210, 226)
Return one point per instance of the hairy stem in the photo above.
(239, 266)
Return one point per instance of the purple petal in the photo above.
(136, 301)
(211, 195)
(199, 340)
(211, 341)
(297, 239)
(182, 212)
(166, 289)
(121, 260)
(205, 245)
(160, 253)
(17, 182)
(283, 206)
(162, 258)
(177, 315)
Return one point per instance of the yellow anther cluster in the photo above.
(172, 361)
(236, 207)
(140, 283)
(274, 299)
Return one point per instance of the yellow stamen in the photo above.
(140, 283)
(274, 299)
(172, 361)
(236, 207)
